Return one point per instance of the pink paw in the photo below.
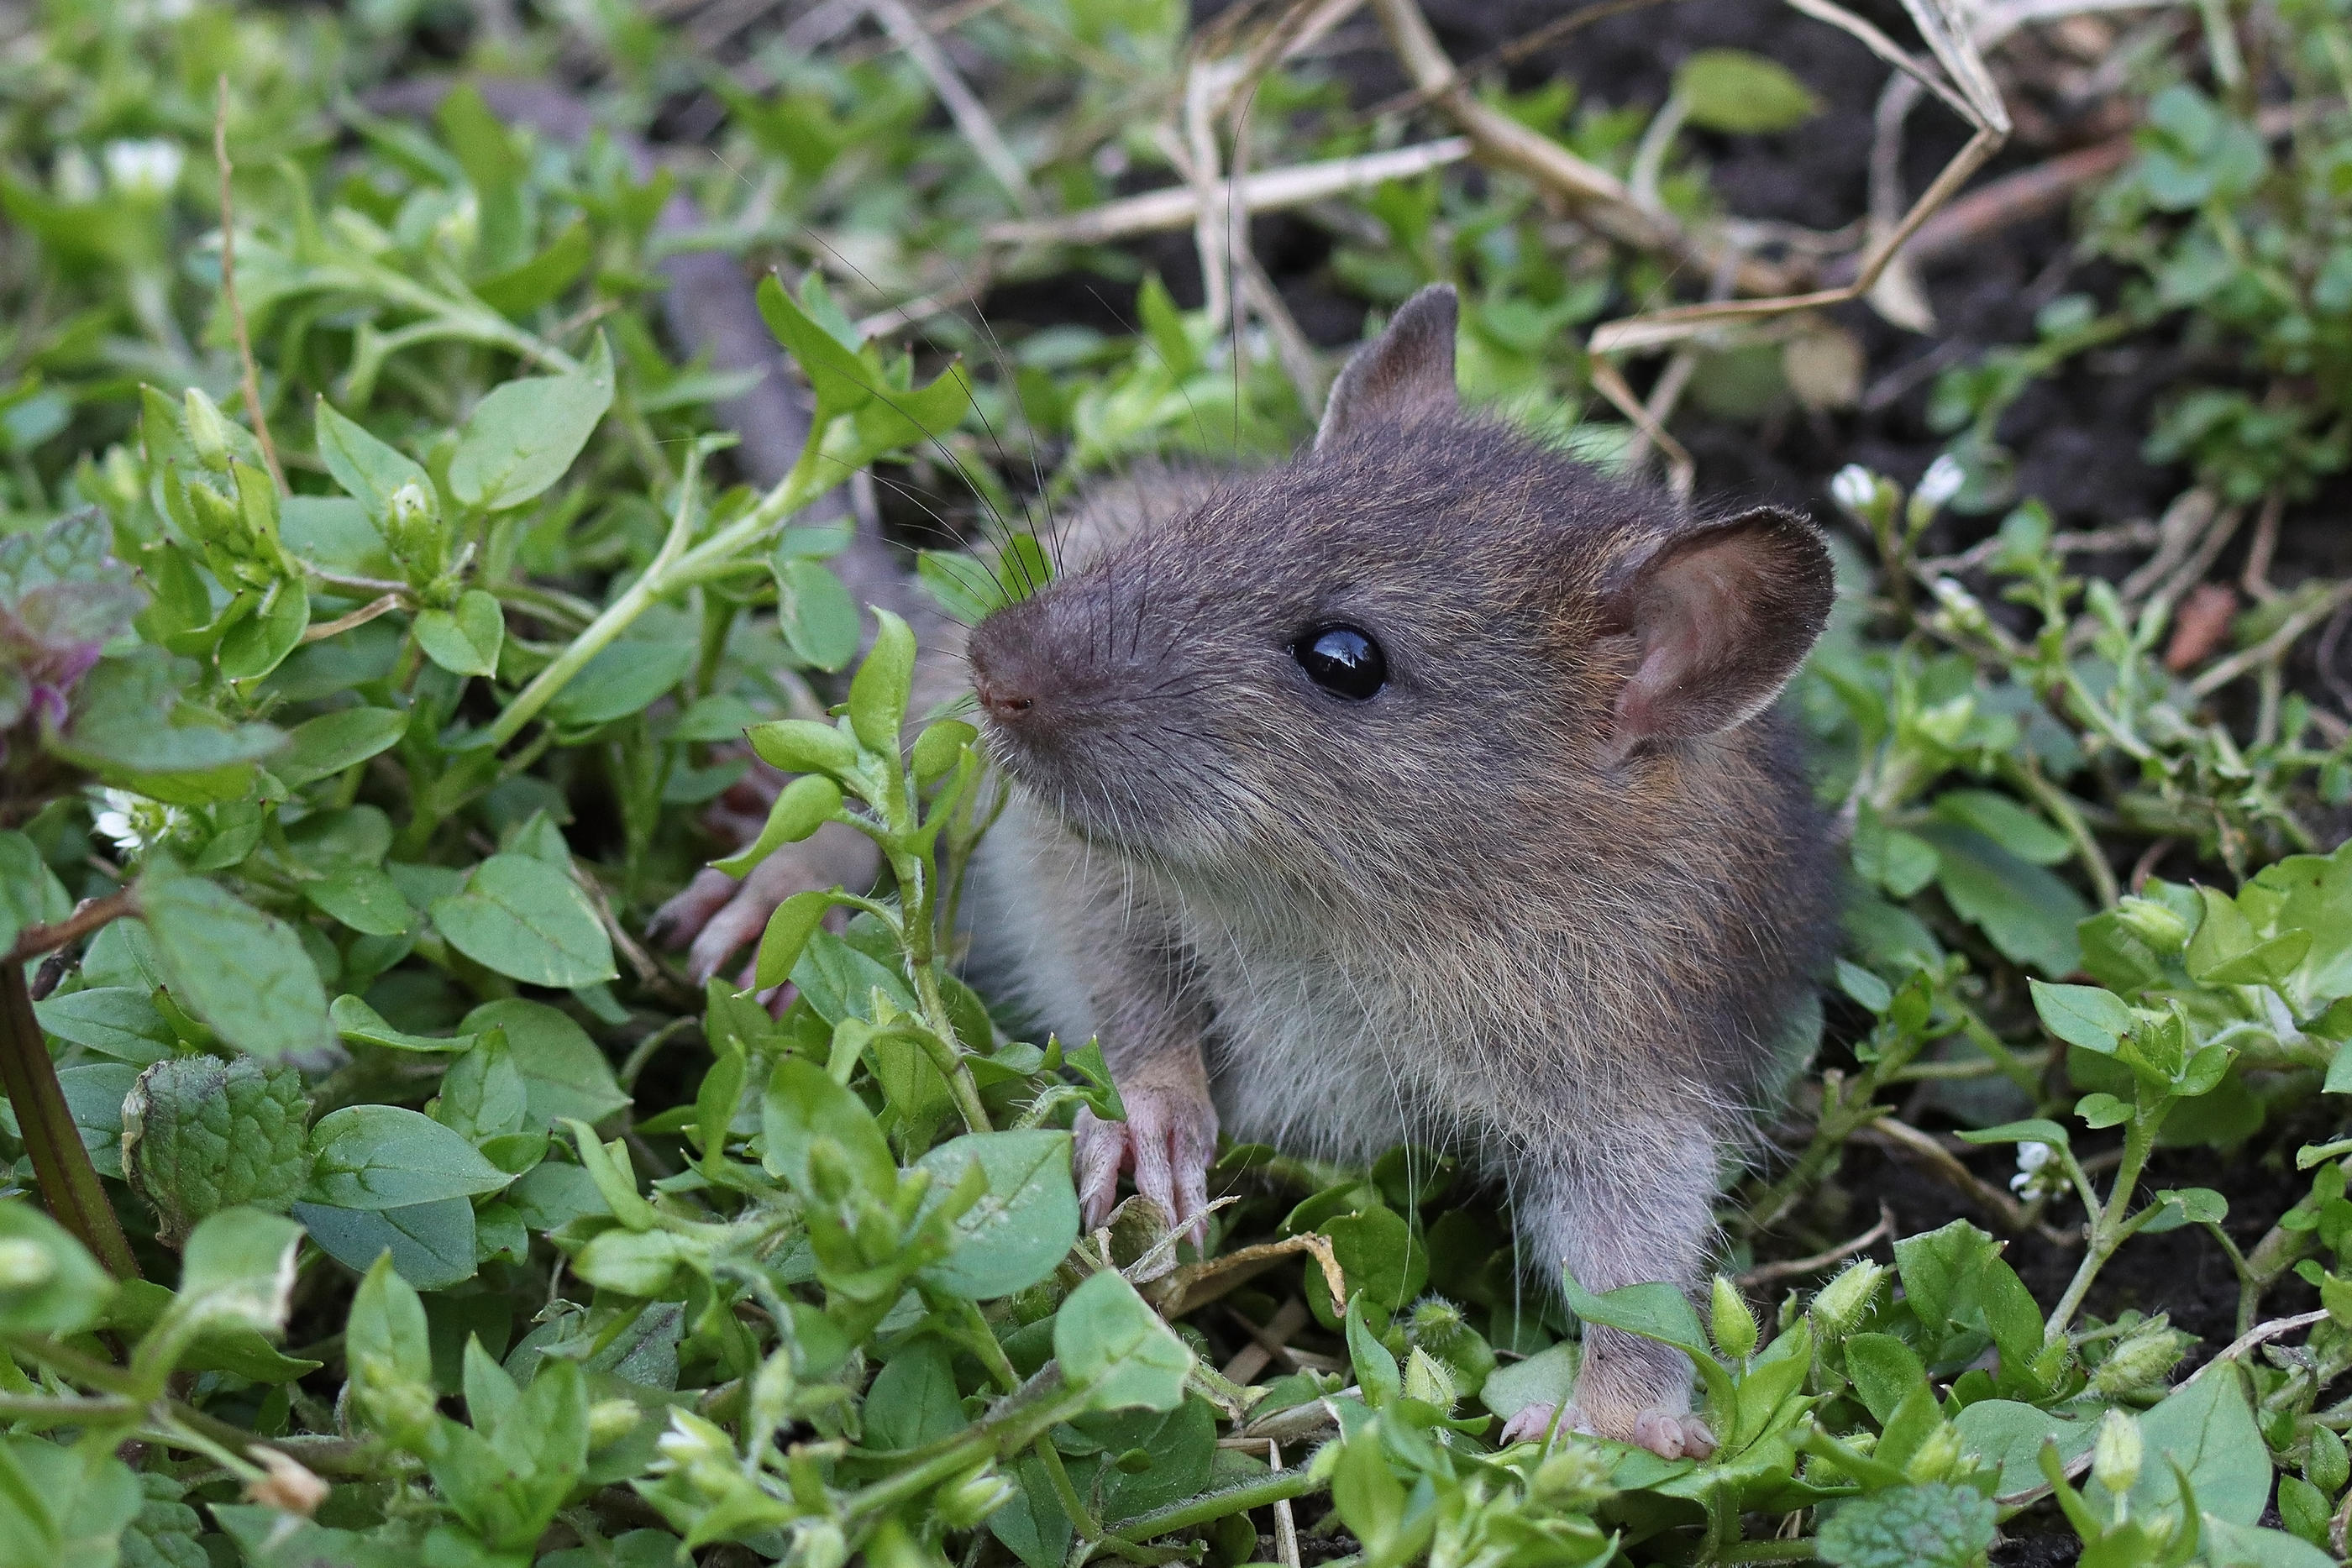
(1669, 1433)
(1168, 1141)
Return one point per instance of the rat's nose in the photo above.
(1008, 675)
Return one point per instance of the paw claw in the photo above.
(1168, 1142)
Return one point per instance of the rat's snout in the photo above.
(1014, 670)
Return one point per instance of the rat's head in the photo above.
(1421, 640)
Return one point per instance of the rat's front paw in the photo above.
(1168, 1141)
(1669, 1433)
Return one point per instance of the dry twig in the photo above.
(1795, 1268)
(971, 116)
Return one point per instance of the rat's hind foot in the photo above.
(1670, 1434)
(1168, 1140)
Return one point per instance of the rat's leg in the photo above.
(717, 915)
(1151, 1019)
(1628, 1205)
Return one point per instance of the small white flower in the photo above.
(1853, 487)
(2031, 1159)
(147, 169)
(1940, 483)
(134, 822)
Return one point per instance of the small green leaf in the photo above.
(2034, 1131)
(49, 1282)
(237, 1269)
(387, 1157)
(1742, 94)
(817, 616)
(1933, 1525)
(319, 748)
(803, 1104)
(795, 920)
(369, 470)
(521, 438)
(803, 806)
(464, 641)
(878, 692)
(1022, 1227)
(201, 1135)
(363, 898)
(432, 1244)
(244, 973)
(2086, 1016)
(523, 918)
(1113, 1346)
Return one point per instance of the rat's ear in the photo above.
(1721, 617)
(1406, 374)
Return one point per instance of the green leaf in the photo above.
(817, 616)
(878, 692)
(201, 1135)
(362, 1025)
(319, 748)
(2229, 1544)
(523, 918)
(2006, 822)
(363, 898)
(63, 1508)
(244, 973)
(2206, 1427)
(627, 678)
(563, 1073)
(130, 726)
(802, 807)
(796, 919)
(49, 1282)
(913, 1399)
(523, 288)
(464, 641)
(2036, 1130)
(802, 1104)
(29, 891)
(387, 1157)
(1935, 1525)
(94, 1093)
(482, 1094)
(1022, 1227)
(387, 1326)
(1375, 1365)
(2086, 1016)
(2010, 1435)
(431, 1244)
(238, 1268)
(119, 1021)
(369, 470)
(521, 438)
(1742, 94)
(1378, 1253)
(2027, 913)
(1656, 1311)
(1113, 1346)
(260, 643)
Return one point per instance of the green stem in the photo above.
(2109, 1227)
(1089, 1528)
(69, 1182)
(674, 568)
(1275, 1488)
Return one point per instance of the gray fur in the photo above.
(1476, 911)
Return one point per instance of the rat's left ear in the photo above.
(1406, 374)
(1721, 616)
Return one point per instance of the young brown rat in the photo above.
(1420, 789)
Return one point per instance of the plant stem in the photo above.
(676, 567)
(69, 1182)
(1275, 1488)
(2109, 1227)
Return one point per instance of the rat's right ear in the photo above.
(1721, 616)
(1404, 375)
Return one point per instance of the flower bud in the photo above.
(2141, 1362)
(803, 745)
(692, 1441)
(2116, 1456)
(1861, 493)
(1842, 1303)
(207, 431)
(609, 1420)
(399, 1408)
(2153, 923)
(1939, 483)
(817, 1543)
(285, 1484)
(971, 1498)
(1573, 1478)
(1733, 1325)
(25, 1266)
(1934, 1458)
(1426, 1379)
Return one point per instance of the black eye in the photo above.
(1343, 661)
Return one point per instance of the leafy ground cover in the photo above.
(383, 605)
